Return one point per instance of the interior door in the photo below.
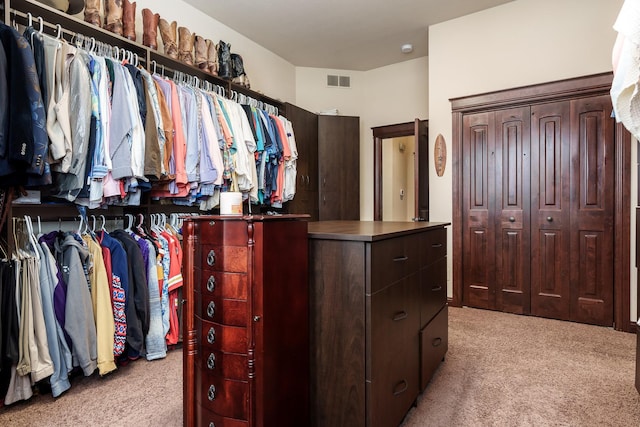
(421, 168)
(592, 211)
(513, 195)
(550, 210)
(478, 206)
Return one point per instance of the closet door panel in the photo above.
(478, 210)
(512, 210)
(550, 209)
(592, 211)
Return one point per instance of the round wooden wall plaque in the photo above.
(440, 155)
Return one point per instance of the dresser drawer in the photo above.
(225, 365)
(227, 398)
(393, 259)
(433, 245)
(232, 259)
(214, 336)
(207, 418)
(223, 285)
(433, 290)
(214, 308)
(434, 343)
(231, 232)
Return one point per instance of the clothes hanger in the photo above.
(32, 239)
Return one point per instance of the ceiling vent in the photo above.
(338, 81)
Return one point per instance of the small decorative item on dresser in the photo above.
(237, 70)
(129, 19)
(113, 16)
(150, 28)
(212, 57)
(92, 12)
(185, 45)
(169, 34)
(224, 60)
(201, 52)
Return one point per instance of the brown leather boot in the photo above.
(169, 34)
(201, 52)
(92, 12)
(129, 19)
(113, 16)
(212, 57)
(150, 28)
(185, 45)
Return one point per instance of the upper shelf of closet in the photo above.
(70, 25)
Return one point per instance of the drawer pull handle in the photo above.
(436, 245)
(211, 424)
(400, 258)
(512, 219)
(211, 258)
(211, 309)
(400, 316)
(211, 284)
(436, 288)
(400, 388)
(212, 392)
(211, 336)
(436, 342)
(211, 361)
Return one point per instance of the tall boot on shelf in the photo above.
(169, 34)
(224, 60)
(201, 52)
(150, 28)
(92, 12)
(129, 19)
(238, 73)
(113, 16)
(185, 45)
(212, 57)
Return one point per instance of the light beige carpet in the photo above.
(501, 370)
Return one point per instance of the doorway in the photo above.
(401, 176)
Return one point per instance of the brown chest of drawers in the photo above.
(378, 318)
(246, 345)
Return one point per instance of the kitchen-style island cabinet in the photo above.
(378, 318)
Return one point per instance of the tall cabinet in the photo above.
(536, 200)
(246, 327)
(328, 184)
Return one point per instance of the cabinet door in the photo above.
(339, 167)
(512, 208)
(478, 206)
(305, 126)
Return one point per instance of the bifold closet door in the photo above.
(478, 206)
(512, 204)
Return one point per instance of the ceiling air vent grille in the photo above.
(338, 81)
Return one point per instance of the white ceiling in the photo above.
(340, 34)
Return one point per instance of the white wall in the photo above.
(268, 73)
(520, 43)
(383, 96)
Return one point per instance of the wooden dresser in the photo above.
(246, 329)
(378, 318)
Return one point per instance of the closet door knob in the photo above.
(212, 392)
(211, 361)
(211, 309)
(211, 284)
(211, 258)
(211, 336)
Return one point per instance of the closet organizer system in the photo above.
(46, 263)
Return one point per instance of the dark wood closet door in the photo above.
(550, 210)
(478, 198)
(512, 172)
(592, 211)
